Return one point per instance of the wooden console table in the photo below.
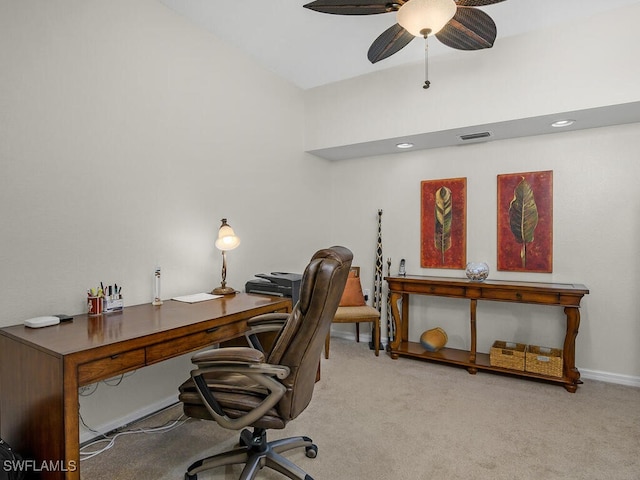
(41, 369)
(557, 294)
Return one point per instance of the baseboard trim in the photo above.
(87, 435)
(608, 377)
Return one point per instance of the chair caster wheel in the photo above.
(190, 477)
(312, 451)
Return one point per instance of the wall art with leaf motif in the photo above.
(443, 223)
(525, 222)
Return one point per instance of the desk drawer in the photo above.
(110, 366)
(189, 343)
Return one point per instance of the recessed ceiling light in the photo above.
(404, 145)
(563, 123)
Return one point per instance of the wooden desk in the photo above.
(41, 369)
(558, 294)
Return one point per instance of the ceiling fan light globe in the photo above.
(425, 17)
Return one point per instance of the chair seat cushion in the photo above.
(363, 313)
(235, 397)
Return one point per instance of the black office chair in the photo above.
(242, 386)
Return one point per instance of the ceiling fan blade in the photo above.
(469, 29)
(476, 3)
(391, 41)
(355, 7)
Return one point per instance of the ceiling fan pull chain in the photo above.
(427, 83)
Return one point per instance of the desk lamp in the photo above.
(227, 240)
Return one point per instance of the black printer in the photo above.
(279, 284)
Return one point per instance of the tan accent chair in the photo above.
(361, 312)
(239, 387)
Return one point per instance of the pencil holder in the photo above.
(110, 305)
(94, 305)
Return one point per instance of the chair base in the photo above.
(255, 452)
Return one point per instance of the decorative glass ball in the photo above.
(477, 271)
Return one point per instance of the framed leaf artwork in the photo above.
(525, 222)
(443, 223)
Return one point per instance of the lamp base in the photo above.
(223, 291)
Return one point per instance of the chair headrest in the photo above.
(326, 261)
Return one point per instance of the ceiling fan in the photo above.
(456, 23)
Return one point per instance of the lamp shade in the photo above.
(425, 17)
(227, 239)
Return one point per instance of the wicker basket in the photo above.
(544, 360)
(507, 355)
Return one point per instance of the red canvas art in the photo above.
(443, 223)
(525, 222)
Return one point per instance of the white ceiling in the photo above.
(311, 49)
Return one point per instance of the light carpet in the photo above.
(375, 418)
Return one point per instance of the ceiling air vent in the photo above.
(475, 136)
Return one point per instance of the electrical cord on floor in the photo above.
(110, 439)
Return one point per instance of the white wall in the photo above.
(126, 134)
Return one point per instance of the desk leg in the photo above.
(569, 353)
(32, 415)
(71, 405)
(472, 352)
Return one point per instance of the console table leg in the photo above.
(472, 353)
(397, 322)
(405, 317)
(569, 353)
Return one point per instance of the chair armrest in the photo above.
(240, 361)
(268, 319)
(243, 355)
(268, 322)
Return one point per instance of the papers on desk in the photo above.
(196, 297)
